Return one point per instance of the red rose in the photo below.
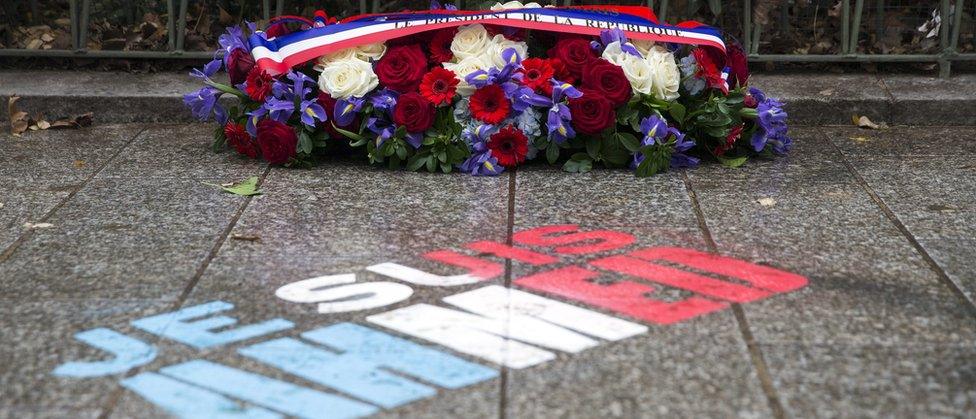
(489, 104)
(258, 84)
(328, 103)
(439, 86)
(575, 53)
(750, 101)
(739, 65)
(592, 113)
(402, 68)
(509, 146)
(609, 80)
(239, 64)
(277, 29)
(414, 112)
(238, 138)
(440, 46)
(278, 141)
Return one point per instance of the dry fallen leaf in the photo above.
(860, 139)
(38, 225)
(826, 92)
(766, 202)
(865, 122)
(79, 164)
(19, 120)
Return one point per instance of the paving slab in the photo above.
(42, 169)
(645, 375)
(868, 287)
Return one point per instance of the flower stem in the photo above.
(749, 113)
(227, 89)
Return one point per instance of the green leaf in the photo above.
(305, 144)
(629, 141)
(416, 162)
(578, 163)
(220, 140)
(657, 158)
(614, 153)
(678, 112)
(732, 162)
(552, 153)
(246, 188)
(593, 145)
(349, 134)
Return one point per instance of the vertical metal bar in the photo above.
(879, 20)
(73, 14)
(171, 24)
(362, 7)
(280, 8)
(83, 34)
(664, 11)
(944, 63)
(747, 25)
(266, 8)
(845, 26)
(856, 27)
(34, 11)
(956, 25)
(181, 26)
(756, 33)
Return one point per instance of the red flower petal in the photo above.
(489, 104)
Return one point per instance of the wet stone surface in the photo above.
(877, 225)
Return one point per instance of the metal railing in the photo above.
(850, 19)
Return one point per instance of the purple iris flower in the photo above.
(481, 162)
(312, 111)
(253, 118)
(384, 100)
(771, 122)
(207, 71)
(503, 76)
(609, 36)
(279, 109)
(657, 131)
(436, 5)
(415, 139)
(235, 39)
(346, 110)
(559, 115)
(383, 129)
(524, 97)
(202, 102)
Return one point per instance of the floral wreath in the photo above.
(483, 98)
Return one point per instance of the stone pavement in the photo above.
(105, 226)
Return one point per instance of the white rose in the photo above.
(493, 53)
(470, 41)
(667, 76)
(638, 70)
(514, 5)
(348, 78)
(371, 52)
(340, 55)
(463, 68)
(643, 46)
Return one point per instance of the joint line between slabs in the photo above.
(503, 376)
(755, 352)
(890, 215)
(113, 398)
(9, 251)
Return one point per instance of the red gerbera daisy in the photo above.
(489, 104)
(509, 146)
(440, 46)
(238, 138)
(439, 85)
(258, 84)
(537, 73)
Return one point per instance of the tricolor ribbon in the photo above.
(278, 55)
